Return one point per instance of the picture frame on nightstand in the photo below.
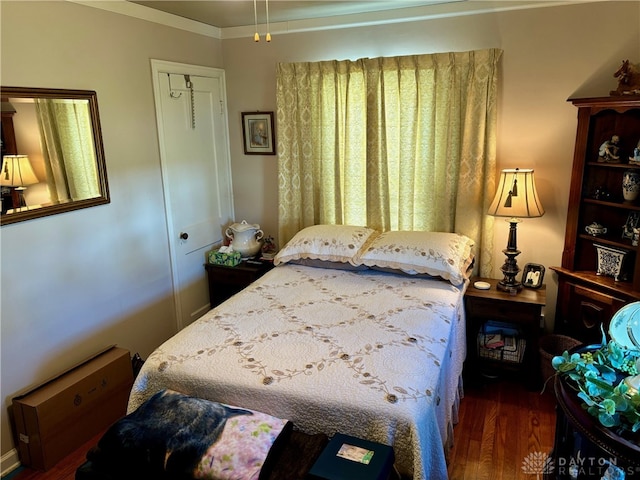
(532, 275)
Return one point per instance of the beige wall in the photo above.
(550, 54)
(75, 282)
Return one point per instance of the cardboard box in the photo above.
(57, 417)
(223, 258)
(351, 458)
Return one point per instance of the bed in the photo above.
(354, 331)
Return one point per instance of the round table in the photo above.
(584, 448)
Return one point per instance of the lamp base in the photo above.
(510, 270)
(21, 204)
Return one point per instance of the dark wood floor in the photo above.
(500, 424)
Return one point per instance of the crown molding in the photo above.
(448, 8)
(453, 8)
(131, 9)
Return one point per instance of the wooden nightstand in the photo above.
(523, 310)
(226, 281)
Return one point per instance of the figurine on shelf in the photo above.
(635, 160)
(609, 151)
(628, 80)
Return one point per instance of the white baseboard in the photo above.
(9, 462)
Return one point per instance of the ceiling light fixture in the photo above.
(256, 36)
(268, 36)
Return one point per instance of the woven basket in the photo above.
(551, 346)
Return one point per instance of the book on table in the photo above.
(351, 458)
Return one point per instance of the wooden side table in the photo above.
(523, 310)
(226, 281)
(583, 448)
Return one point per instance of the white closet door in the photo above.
(192, 125)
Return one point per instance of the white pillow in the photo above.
(442, 254)
(329, 243)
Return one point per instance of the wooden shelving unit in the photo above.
(586, 300)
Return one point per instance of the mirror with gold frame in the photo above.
(52, 153)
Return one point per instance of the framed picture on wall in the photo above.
(257, 133)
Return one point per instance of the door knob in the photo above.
(184, 235)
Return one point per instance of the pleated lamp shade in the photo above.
(516, 195)
(17, 171)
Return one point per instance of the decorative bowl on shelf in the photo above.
(595, 229)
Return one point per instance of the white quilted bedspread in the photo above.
(369, 354)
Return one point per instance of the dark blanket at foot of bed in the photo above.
(173, 436)
(292, 462)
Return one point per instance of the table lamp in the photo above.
(17, 173)
(515, 198)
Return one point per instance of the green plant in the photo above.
(599, 375)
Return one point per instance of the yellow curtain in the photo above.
(394, 143)
(67, 140)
